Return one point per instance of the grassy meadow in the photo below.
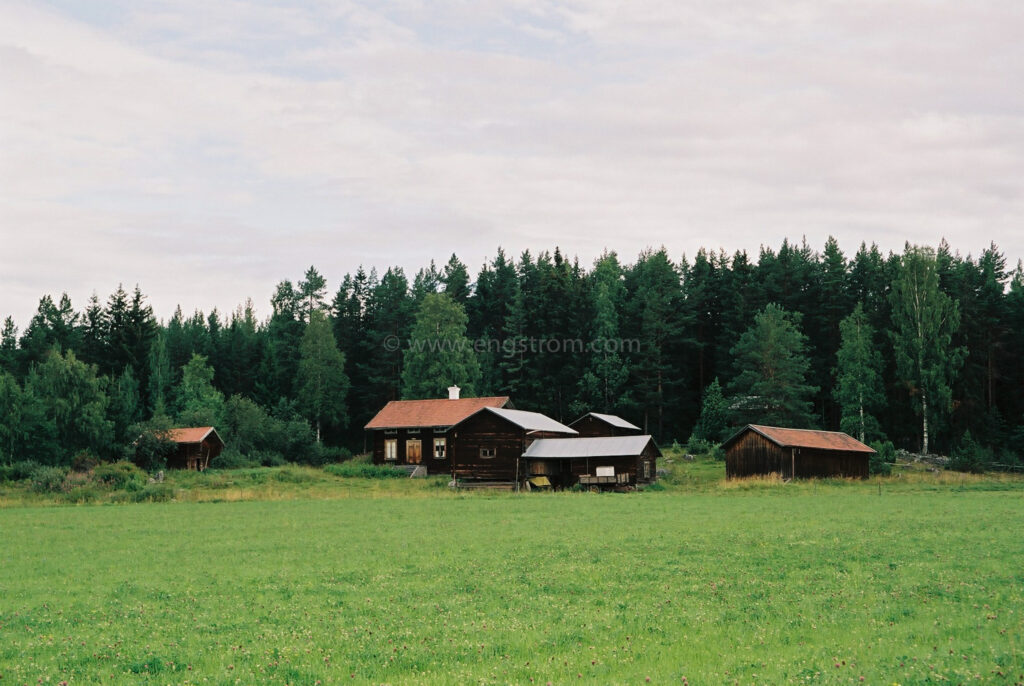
(399, 581)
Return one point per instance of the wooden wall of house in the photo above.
(591, 426)
(426, 437)
(486, 430)
(194, 455)
(754, 455)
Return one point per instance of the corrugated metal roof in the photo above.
(532, 421)
(591, 446)
(399, 414)
(611, 419)
(192, 434)
(805, 438)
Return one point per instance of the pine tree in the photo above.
(322, 383)
(924, 320)
(439, 354)
(124, 409)
(771, 370)
(312, 291)
(858, 388)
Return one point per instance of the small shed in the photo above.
(593, 461)
(597, 424)
(757, 450)
(196, 446)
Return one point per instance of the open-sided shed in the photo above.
(197, 445)
(794, 453)
(593, 460)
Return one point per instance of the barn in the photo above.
(757, 450)
(598, 461)
(196, 446)
(488, 445)
(597, 424)
(420, 432)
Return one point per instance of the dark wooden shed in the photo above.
(597, 424)
(757, 450)
(488, 445)
(196, 446)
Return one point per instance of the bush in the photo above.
(84, 461)
(48, 479)
(882, 461)
(153, 446)
(656, 486)
(268, 458)
(970, 456)
(121, 476)
(231, 458)
(364, 471)
(18, 471)
(291, 475)
(717, 453)
(697, 446)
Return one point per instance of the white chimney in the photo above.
(453, 392)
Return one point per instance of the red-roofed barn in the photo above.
(794, 453)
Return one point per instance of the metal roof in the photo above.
(591, 446)
(399, 414)
(192, 434)
(804, 438)
(612, 420)
(531, 421)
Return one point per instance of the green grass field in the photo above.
(705, 584)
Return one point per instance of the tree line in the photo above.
(919, 347)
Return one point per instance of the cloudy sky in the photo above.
(206, 150)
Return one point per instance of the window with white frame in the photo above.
(391, 449)
(440, 449)
(487, 452)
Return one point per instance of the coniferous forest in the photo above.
(921, 348)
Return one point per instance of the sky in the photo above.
(208, 150)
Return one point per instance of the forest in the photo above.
(920, 348)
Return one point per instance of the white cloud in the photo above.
(207, 150)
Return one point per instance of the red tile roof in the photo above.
(192, 434)
(806, 438)
(399, 414)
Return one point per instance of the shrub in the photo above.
(153, 446)
(881, 462)
(364, 471)
(152, 493)
(18, 471)
(697, 446)
(970, 456)
(83, 461)
(268, 458)
(121, 476)
(48, 479)
(656, 486)
(231, 458)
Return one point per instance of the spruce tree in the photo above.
(771, 371)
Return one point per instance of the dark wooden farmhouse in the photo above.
(794, 453)
(489, 445)
(595, 461)
(196, 446)
(420, 432)
(596, 424)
